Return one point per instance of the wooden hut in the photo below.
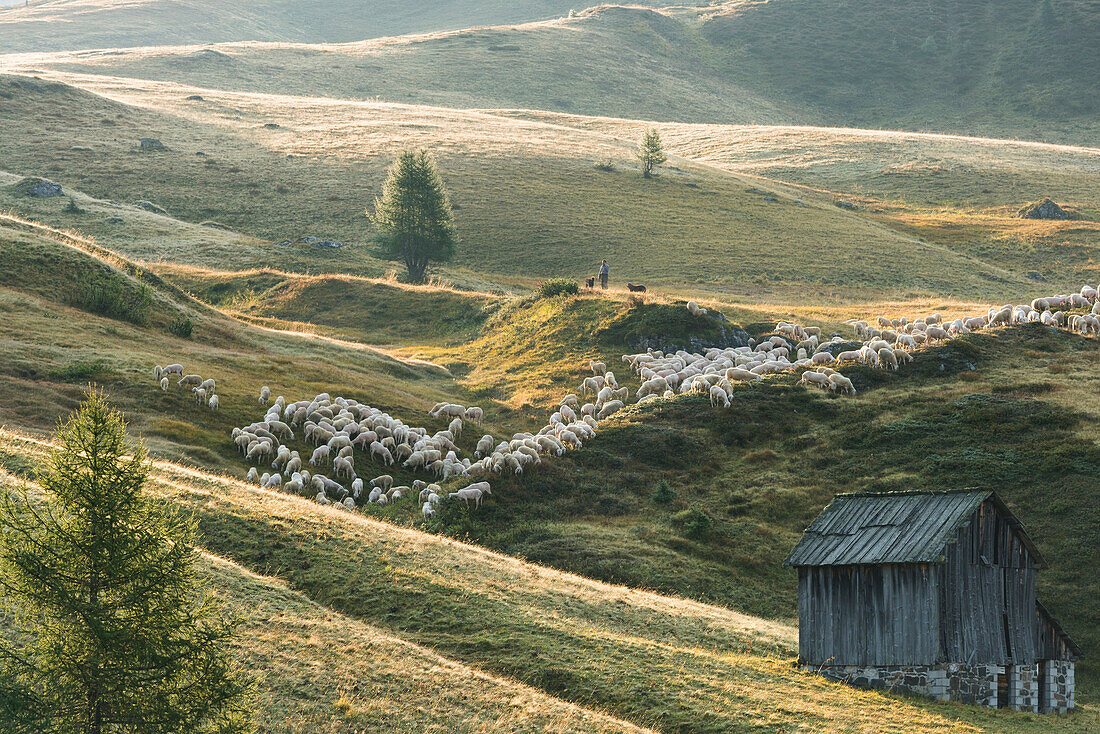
(930, 593)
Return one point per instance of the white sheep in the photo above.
(214, 402)
(164, 384)
(428, 510)
(477, 415)
(265, 395)
(598, 368)
(473, 492)
(173, 369)
(189, 381)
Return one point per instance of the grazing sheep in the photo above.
(887, 358)
(213, 402)
(719, 397)
(598, 368)
(473, 492)
(815, 378)
(385, 482)
(320, 455)
(428, 510)
(164, 384)
(173, 369)
(253, 475)
(189, 381)
(265, 395)
(610, 407)
(842, 383)
(477, 415)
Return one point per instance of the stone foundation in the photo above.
(1058, 683)
(975, 684)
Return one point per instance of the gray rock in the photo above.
(148, 206)
(846, 205)
(39, 188)
(1045, 209)
(1035, 275)
(272, 125)
(152, 144)
(115, 219)
(770, 198)
(194, 98)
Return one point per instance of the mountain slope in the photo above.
(530, 200)
(1010, 68)
(47, 25)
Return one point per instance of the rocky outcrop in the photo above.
(152, 144)
(1045, 209)
(39, 188)
(149, 207)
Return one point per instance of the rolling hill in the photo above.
(80, 24)
(738, 486)
(1011, 68)
(530, 200)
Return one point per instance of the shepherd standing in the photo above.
(605, 271)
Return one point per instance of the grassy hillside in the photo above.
(51, 25)
(316, 670)
(530, 201)
(56, 340)
(598, 646)
(1013, 68)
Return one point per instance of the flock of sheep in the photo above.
(203, 390)
(345, 433)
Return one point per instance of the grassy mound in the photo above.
(602, 647)
(375, 311)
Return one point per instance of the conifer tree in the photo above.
(651, 152)
(112, 633)
(413, 215)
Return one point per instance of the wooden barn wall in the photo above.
(988, 595)
(1051, 644)
(869, 615)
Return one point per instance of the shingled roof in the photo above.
(893, 527)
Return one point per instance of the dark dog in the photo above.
(635, 288)
(589, 283)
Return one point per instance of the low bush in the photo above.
(694, 523)
(555, 287)
(181, 327)
(113, 299)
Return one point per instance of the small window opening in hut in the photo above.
(1008, 635)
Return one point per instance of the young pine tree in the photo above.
(651, 153)
(99, 584)
(413, 215)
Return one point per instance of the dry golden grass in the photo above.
(650, 659)
(531, 204)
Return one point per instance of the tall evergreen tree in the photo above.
(413, 215)
(113, 633)
(651, 152)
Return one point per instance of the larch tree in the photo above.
(110, 628)
(413, 215)
(651, 152)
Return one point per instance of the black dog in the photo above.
(589, 283)
(635, 288)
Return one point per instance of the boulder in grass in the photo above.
(1045, 209)
(149, 207)
(39, 188)
(151, 144)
